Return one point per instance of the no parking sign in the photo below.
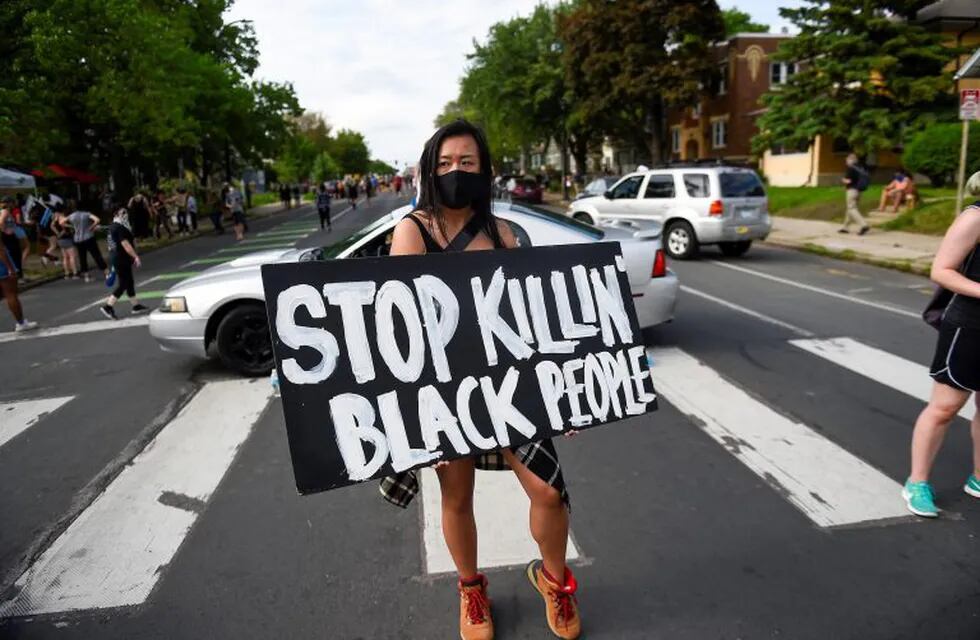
(970, 104)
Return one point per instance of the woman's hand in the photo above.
(571, 433)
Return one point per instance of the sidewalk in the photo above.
(894, 249)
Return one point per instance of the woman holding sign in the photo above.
(455, 214)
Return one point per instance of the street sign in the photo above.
(970, 104)
(509, 347)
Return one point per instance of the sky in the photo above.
(387, 67)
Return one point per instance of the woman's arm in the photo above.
(94, 220)
(407, 240)
(128, 248)
(961, 238)
(506, 234)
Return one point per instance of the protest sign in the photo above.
(389, 364)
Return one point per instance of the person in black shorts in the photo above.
(323, 206)
(123, 257)
(956, 365)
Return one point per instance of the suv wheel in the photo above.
(244, 342)
(583, 217)
(680, 241)
(735, 249)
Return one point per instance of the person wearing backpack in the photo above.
(323, 207)
(856, 181)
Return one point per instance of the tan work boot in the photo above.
(474, 611)
(560, 606)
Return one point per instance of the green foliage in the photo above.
(627, 61)
(111, 84)
(865, 75)
(325, 168)
(351, 152)
(935, 152)
(740, 22)
(381, 168)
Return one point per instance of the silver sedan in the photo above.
(222, 310)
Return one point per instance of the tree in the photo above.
(935, 152)
(325, 168)
(866, 73)
(740, 22)
(381, 167)
(351, 152)
(628, 61)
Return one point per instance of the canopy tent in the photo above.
(61, 172)
(14, 180)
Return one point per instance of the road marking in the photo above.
(269, 237)
(73, 329)
(826, 292)
(501, 507)
(115, 551)
(749, 312)
(262, 247)
(176, 275)
(828, 484)
(212, 260)
(17, 416)
(888, 369)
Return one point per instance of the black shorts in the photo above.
(957, 360)
(238, 217)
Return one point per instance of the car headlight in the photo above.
(174, 304)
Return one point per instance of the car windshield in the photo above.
(334, 250)
(557, 218)
(741, 184)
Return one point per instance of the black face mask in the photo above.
(460, 189)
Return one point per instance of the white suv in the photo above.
(697, 205)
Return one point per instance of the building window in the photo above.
(675, 139)
(786, 149)
(723, 80)
(696, 111)
(719, 134)
(781, 72)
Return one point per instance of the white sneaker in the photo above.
(26, 325)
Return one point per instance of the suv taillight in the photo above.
(659, 265)
(716, 208)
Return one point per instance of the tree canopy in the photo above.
(737, 21)
(866, 74)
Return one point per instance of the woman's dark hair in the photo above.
(430, 200)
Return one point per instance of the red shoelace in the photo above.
(564, 606)
(476, 604)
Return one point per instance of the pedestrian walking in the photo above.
(236, 205)
(192, 210)
(297, 196)
(180, 202)
(856, 181)
(85, 225)
(956, 365)
(284, 196)
(454, 213)
(8, 285)
(161, 216)
(61, 226)
(8, 235)
(45, 234)
(218, 212)
(323, 207)
(352, 193)
(141, 214)
(123, 256)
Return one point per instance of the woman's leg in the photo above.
(549, 517)
(73, 257)
(65, 261)
(9, 288)
(81, 248)
(458, 523)
(975, 432)
(930, 428)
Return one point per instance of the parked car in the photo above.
(520, 188)
(697, 205)
(222, 310)
(597, 187)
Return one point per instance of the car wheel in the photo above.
(680, 241)
(735, 249)
(244, 342)
(583, 217)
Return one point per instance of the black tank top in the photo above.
(964, 311)
(462, 239)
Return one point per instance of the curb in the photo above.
(171, 242)
(848, 255)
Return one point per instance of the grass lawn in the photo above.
(827, 203)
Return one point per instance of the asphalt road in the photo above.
(766, 507)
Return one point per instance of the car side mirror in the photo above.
(608, 195)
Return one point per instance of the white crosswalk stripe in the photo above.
(114, 552)
(888, 369)
(830, 485)
(501, 508)
(19, 415)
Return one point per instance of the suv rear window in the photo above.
(743, 184)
